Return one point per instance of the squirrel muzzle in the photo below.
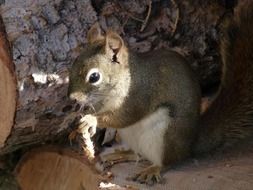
(77, 96)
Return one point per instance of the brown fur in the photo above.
(229, 119)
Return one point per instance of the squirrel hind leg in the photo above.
(149, 175)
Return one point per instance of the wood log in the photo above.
(45, 37)
(53, 168)
(7, 86)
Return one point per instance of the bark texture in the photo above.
(45, 38)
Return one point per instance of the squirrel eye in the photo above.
(94, 77)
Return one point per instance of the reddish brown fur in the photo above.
(230, 117)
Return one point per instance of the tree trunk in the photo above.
(45, 37)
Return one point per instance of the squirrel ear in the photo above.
(94, 33)
(115, 47)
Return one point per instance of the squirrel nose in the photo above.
(78, 96)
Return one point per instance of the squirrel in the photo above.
(153, 99)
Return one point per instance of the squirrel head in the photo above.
(99, 77)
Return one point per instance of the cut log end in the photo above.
(51, 168)
(7, 88)
(7, 102)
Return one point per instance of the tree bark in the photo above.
(45, 38)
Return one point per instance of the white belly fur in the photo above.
(146, 137)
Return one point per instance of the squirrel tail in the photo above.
(229, 119)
